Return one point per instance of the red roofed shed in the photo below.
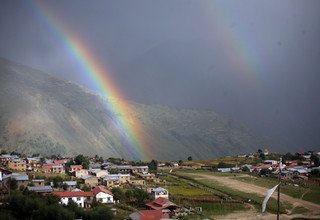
(161, 203)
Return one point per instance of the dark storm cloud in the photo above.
(178, 53)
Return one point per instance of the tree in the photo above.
(153, 166)
(189, 158)
(82, 160)
(223, 165)
(13, 184)
(118, 194)
(262, 156)
(101, 213)
(264, 172)
(259, 151)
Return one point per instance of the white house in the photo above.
(160, 192)
(78, 197)
(103, 195)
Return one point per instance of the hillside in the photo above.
(43, 114)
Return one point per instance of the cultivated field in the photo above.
(241, 195)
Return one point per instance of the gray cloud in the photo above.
(254, 61)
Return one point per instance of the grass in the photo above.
(178, 187)
(214, 209)
(255, 199)
(299, 210)
(311, 193)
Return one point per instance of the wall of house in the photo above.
(78, 200)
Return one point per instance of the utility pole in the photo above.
(279, 178)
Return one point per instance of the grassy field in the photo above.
(254, 199)
(178, 187)
(214, 209)
(310, 193)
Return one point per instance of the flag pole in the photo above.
(279, 178)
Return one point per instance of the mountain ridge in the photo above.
(42, 114)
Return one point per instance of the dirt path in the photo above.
(247, 187)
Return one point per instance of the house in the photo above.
(271, 162)
(83, 199)
(146, 176)
(121, 168)
(111, 181)
(224, 170)
(161, 203)
(40, 189)
(74, 168)
(58, 169)
(139, 169)
(71, 185)
(38, 182)
(90, 180)
(81, 173)
(137, 182)
(149, 215)
(60, 162)
(17, 164)
(22, 180)
(98, 172)
(47, 168)
(160, 192)
(103, 195)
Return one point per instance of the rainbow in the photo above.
(77, 49)
(240, 53)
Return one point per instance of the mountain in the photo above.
(42, 114)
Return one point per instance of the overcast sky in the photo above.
(256, 61)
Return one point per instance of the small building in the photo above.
(71, 185)
(160, 204)
(81, 173)
(58, 169)
(38, 182)
(160, 192)
(40, 189)
(22, 180)
(137, 182)
(146, 176)
(98, 172)
(83, 199)
(17, 164)
(103, 195)
(149, 215)
(139, 169)
(74, 168)
(90, 180)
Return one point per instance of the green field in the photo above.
(254, 199)
(178, 187)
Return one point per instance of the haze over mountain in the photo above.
(42, 114)
(257, 62)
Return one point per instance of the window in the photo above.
(78, 198)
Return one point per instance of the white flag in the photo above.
(269, 193)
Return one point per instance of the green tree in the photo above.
(153, 166)
(189, 158)
(118, 194)
(13, 184)
(101, 213)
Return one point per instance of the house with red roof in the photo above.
(161, 203)
(149, 215)
(83, 199)
(74, 168)
(103, 195)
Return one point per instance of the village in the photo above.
(116, 183)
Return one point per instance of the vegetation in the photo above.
(30, 205)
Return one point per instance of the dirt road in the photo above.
(250, 188)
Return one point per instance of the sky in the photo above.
(255, 61)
